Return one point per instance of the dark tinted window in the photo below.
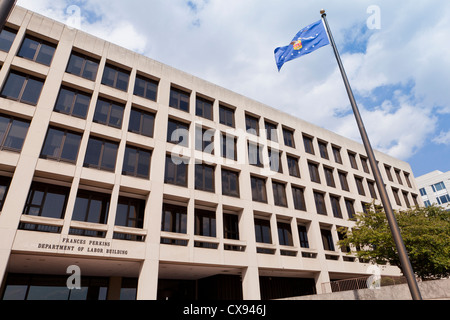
(37, 50)
(72, 102)
(146, 88)
(83, 66)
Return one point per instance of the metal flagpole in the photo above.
(404, 259)
(6, 7)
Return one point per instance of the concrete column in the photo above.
(115, 284)
(250, 284)
(148, 280)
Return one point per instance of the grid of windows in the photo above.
(63, 145)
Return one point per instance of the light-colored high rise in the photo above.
(434, 188)
(156, 184)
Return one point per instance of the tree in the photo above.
(425, 233)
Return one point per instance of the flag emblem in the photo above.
(297, 44)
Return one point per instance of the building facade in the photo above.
(148, 183)
(434, 188)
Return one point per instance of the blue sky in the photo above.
(398, 67)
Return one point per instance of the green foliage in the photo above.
(425, 233)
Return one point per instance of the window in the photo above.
(438, 186)
(176, 171)
(319, 199)
(337, 212)
(255, 154)
(308, 142)
(288, 137)
(179, 99)
(130, 212)
(360, 186)
(259, 192)
(174, 218)
(337, 154)
(284, 234)
(204, 108)
(178, 133)
(388, 173)
(294, 170)
(352, 158)
(414, 196)
(252, 124)
(109, 113)
(141, 122)
(314, 172)
(350, 206)
(341, 236)
(405, 197)
(226, 116)
(72, 102)
(396, 196)
(299, 198)
(343, 180)
(262, 231)
(91, 207)
(373, 193)
(364, 164)
(323, 150)
(427, 203)
(408, 181)
(116, 77)
(12, 133)
(279, 194)
(423, 192)
(7, 36)
(329, 177)
(228, 147)
(204, 139)
(303, 235)
(204, 177)
(205, 223)
(146, 88)
(4, 186)
(61, 145)
(46, 200)
(83, 66)
(136, 162)
(441, 200)
(101, 154)
(22, 88)
(327, 239)
(275, 160)
(37, 50)
(230, 183)
(231, 226)
(399, 178)
(271, 131)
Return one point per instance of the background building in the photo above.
(157, 184)
(434, 187)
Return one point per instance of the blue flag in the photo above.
(305, 41)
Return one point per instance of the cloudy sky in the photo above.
(396, 54)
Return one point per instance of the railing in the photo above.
(362, 283)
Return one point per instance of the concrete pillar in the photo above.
(148, 280)
(115, 284)
(250, 284)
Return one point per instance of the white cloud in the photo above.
(443, 138)
(231, 43)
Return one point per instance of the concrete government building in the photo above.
(160, 185)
